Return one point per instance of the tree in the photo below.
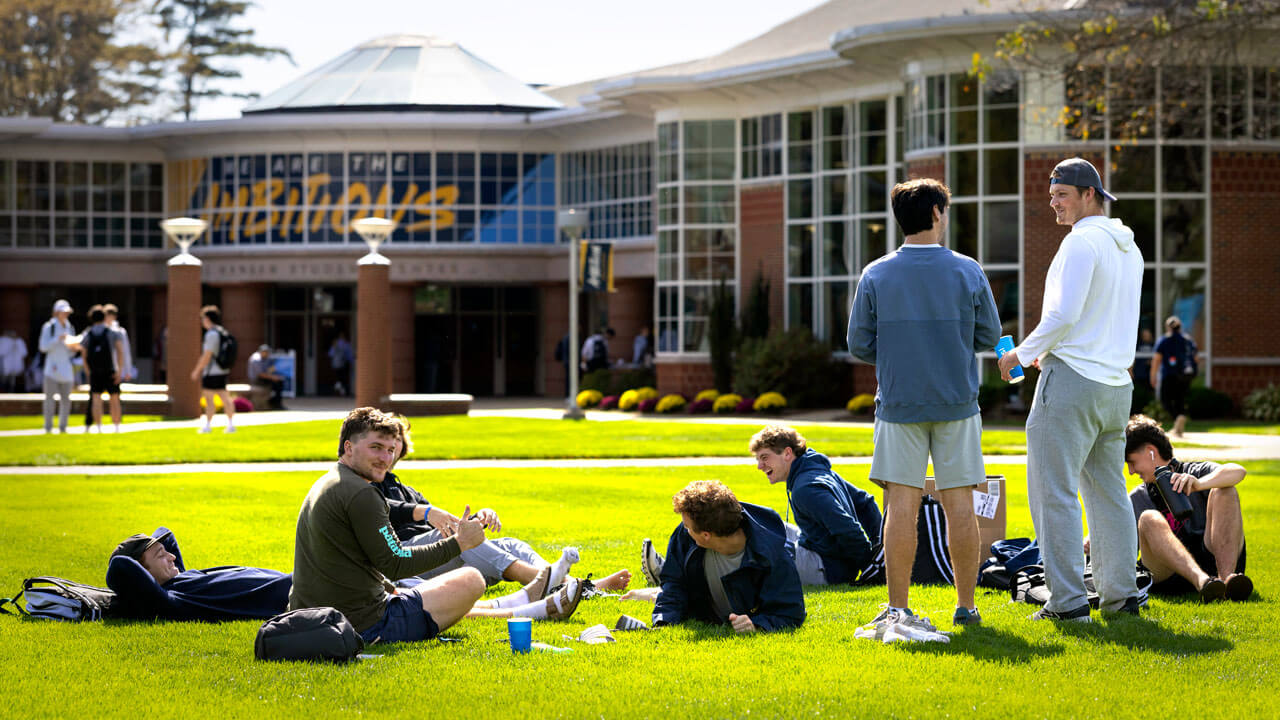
(1107, 52)
(61, 59)
(206, 34)
(722, 332)
(755, 316)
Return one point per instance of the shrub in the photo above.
(597, 380)
(770, 402)
(722, 335)
(217, 402)
(1142, 396)
(647, 393)
(242, 404)
(1156, 411)
(746, 405)
(647, 405)
(793, 363)
(609, 402)
(699, 407)
(726, 403)
(629, 400)
(632, 378)
(1204, 403)
(708, 395)
(1263, 404)
(672, 403)
(859, 404)
(989, 394)
(589, 398)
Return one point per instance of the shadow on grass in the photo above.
(1140, 633)
(987, 643)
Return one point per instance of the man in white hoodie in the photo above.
(1084, 346)
(58, 374)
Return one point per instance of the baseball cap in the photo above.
(264, 348)
(135, 545)
(1080, 173)
(62, 306)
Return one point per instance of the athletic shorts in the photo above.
(902, 452)
(214, 382)
(403, 620)
(1175, 584)
(103, 383)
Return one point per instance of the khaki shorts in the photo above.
(902, 452)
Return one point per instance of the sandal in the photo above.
(1239, 587)
(567, 601)
(1213, 590)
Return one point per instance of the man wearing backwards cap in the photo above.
(148, 575)
(58, 374)
(1083, 345)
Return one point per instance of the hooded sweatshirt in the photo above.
(838, 521)
(1092, 296)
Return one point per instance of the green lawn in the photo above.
(1243, 427)
(442, 437)
(1180, 658)
(36, 422)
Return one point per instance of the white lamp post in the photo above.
(573, 222)
(184, 231)
(374, 231)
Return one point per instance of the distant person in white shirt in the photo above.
(128, 372)
(1084, 346)
(58, 374)
(13, 359)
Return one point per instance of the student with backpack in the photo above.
(217, 355)
(103, 354)
(57, 374)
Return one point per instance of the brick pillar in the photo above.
(15, 315)
(244, 315)
(402, 370)
(182, 349)
(373, 330)
(630, 308)
(554, 306)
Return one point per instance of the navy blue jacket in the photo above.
(402, 500)
(837, 521)
(214, 594)
(765, 587)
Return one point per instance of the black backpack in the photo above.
(227, 348)
(97, 350)
(320, 634)
(54, 598)
(933, 559)
(1029, 586)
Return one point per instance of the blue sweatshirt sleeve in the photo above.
(862, 322)
(141, 595)
(986, 329)
(672, 601)
(782, 600)
(818, 501)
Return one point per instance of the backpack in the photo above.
(97, 350)
(1190, 368)
(599, 354)
(1029, 586)
(933, 559)
(227, 349)
(54, 598)
(1007, 557)
(320, 634)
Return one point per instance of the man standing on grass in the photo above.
(212, 376)
(1084, 346)
(920, 314)
(103, 353)
(727, 563)
(837, 525)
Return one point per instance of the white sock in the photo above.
(561, 567)
(514, 600)
(538, 610)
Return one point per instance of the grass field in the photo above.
(442, 438)
(1180, 658)
(75, 425)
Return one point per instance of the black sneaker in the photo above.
(1131, 606)
(1080, 614)
(650, 563)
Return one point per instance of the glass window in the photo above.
(1183, 168)
(800, 305)
(800, 142)
(799, 199)
(836, 303)
(1001, 172)
(1133, 169)
(1182, 222)
(964, 228)
(1140, 216)
(962, 166)
(1182, 107)
(1000, 224)
(836, 248)
(1184, 295)
(1004, 289)
(800, 251)
(835, 138)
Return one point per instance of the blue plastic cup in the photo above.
(520, 630)
(1005, 345)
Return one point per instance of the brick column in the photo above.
(373, 330)
(182, 349)
(402, 370)
(244, 315)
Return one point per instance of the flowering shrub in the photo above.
(727, 403)
(708, 395)
(770, 402)
(671, 403)
(628, 400)
(699, 407)
(589, 398)
(609, 402)
(217, 402)
(647, 393)
(747, 404)
(647, 406)
(861, 403)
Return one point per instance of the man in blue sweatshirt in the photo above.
(920, 314)
(837, 525)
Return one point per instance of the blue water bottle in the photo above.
(1005, 345)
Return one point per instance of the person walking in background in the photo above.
(58, 373)
(103, 355)
(13, 359)
(212, 376)
(1084, 346)
(128, 372)
(1173, 367)
(340, 359)
(642, 348)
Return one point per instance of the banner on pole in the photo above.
(595, 266)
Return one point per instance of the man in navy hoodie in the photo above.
(148, 575)
(920, 314)
(837, 525)
(728, 563)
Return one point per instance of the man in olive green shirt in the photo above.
(346, 553)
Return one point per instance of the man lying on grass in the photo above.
(346, 553)
(728, 562)
(417, 522)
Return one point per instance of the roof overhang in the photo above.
(849, 40)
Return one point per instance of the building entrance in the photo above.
(477, 340)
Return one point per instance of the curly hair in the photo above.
(711, 507)
(778, 438)
(366, 420)
(1142, 430)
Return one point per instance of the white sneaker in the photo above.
(230, 429)
(650, 563)
(205, 430)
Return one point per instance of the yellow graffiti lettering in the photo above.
(427, 204)
(277, 189)
(254, 228)
(242, 199)
(398, 214)
(357, 197)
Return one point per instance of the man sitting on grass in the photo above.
(417, 522)
(838, 524)
(346, 553)
(1191, 555)
(728, 562)
(151, 581)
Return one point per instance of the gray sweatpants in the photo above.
(1075, 444)
(491, 557)
(63, 391)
